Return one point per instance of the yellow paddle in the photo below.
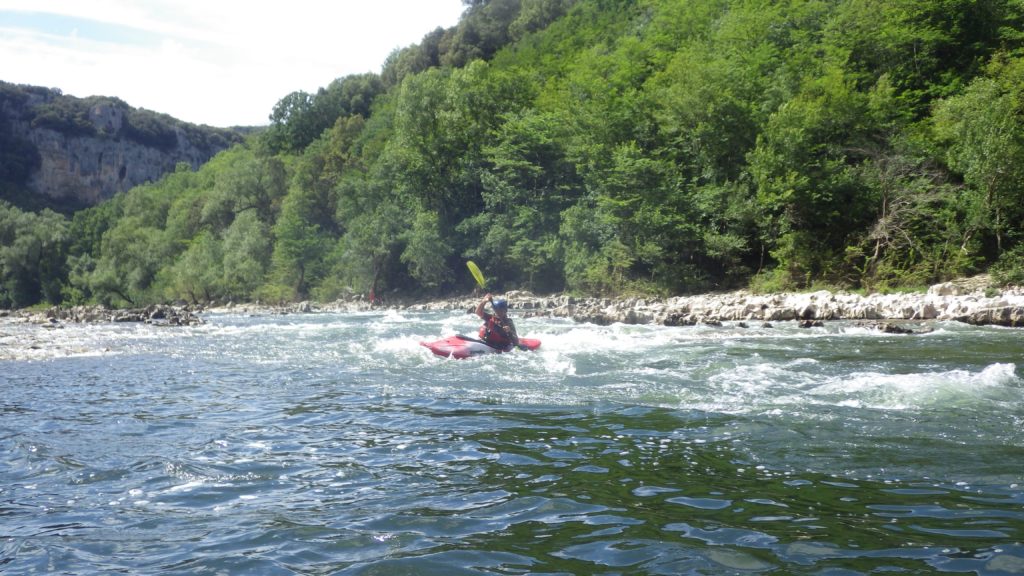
(475, 271)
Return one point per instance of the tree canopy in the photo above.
(597, 146)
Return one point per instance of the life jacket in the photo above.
(493, 332)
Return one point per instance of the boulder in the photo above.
(999, 316)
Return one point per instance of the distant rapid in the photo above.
(332, 443)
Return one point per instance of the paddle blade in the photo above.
(475, 271)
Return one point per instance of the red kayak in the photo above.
(463, 346)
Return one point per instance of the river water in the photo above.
(335, 444)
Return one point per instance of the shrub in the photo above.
(1009, 269)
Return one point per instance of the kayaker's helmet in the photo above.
(500, 304)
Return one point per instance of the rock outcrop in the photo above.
(83, 151)
(90, 170)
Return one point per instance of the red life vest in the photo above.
(493, 332)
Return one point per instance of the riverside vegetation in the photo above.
(600, 147)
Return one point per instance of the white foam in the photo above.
(186, 487)
(796, 383)
(1001, 374)
(915, 390)
(554, 363)
(398, 345)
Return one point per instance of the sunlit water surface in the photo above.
(335, 444)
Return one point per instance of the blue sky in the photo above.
(217, 62)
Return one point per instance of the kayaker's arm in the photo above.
(480, 307)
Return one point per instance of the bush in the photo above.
(64, 116)
(771, 282)
(1010, 267)
(151, 129)
(273, 294)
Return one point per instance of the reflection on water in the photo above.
(335, 444)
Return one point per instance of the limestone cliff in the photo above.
(85, 150)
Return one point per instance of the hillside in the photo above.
(601, 147)
(67, 153)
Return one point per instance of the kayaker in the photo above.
(498, 330)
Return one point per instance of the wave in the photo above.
(780, 386)
(997, 383)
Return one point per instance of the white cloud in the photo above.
(218, 62)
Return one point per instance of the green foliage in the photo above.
(529, 183)
(593, 261)
(366, 255)
(482, 31)
(426, 251)
(1009, 269)
(65, 115)
(151, 129)
(243, 183)
(485, 28)
(198, 272)
(33, 250)
(535, 15)
(301, 245)
(983, 129)
(300, 118)
(89, 225)
(107, 117)
(247, 250)
(597, 146)
(132, 254)
(727, 234)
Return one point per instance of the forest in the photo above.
(599, 147)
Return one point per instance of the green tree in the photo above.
(198, 273)
(527, 186)
(596, 261)
(800, 165)
(293, 122)
(244, 182)
(482, 31)
(33, 249)
(984, 132)
(247, 251)
(426, 251)
(434, 158)
(367, 255)
(535, 15)
(132, 255)
(608, 146)
(917, 236)
(300, 117)
(924, 47)
(300, 246)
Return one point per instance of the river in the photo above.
(333, 443)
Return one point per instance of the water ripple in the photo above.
(334, 444)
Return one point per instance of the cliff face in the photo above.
(83, 151)
(91, 169)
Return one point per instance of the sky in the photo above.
(217, 62)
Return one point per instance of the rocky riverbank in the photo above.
(969, 301)
(157, 314)
(949, 301)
